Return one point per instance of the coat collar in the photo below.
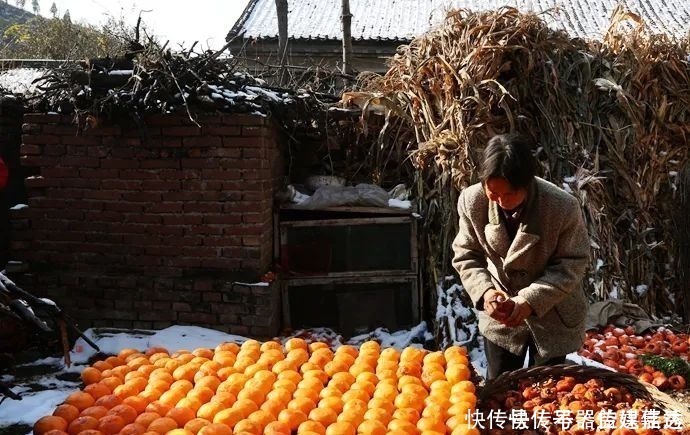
(528, 234)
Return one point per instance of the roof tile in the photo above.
(402, 20)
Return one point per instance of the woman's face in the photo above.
(499, 190)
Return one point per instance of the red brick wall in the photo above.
(148, 226)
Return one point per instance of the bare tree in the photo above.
(54, 10)
(21, 3)
(35, 6)
(67, 18)
(282, 11)
(346, 18)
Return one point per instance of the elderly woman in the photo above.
(521, 252)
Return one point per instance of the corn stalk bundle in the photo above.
(610, 120)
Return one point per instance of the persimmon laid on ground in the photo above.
(270, 388)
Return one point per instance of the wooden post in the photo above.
(346, 18)
(282, 11)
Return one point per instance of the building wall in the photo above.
(149, 226)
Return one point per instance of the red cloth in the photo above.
(4, 174)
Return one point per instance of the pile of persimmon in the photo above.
(621, 349)
(572, 399)
(271, 388)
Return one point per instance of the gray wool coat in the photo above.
(544, 264)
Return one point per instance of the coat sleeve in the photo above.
(564, 272)
(469, 258)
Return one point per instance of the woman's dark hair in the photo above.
(508, 156)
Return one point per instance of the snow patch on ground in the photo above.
(174, 338)
(32, 406)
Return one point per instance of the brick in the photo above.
(34, 161)
(134, 174)
(141, 196)
(54, 150)
(197, 318)
(60, 130)
(204, 208)
(114, 163)
(216, 230)
(200, 251)
(160, 185)
(105, 195)
(166, 120)
(98, 173)
(37, 182)
(40, 139)
(263, 331)
(114, 130)
(222, 130)
(242, 119)
(144, 219)
(226, 152)
(238, 330)
(34, 150)
(81, 162)
(248, 131)
(248, 229)
(202, 141)
(28, 128)
(41, 118)
(157, 315)
(228, 319)
(254, 153)
(100, 152)
(127, 207)
(182, 220)
(79, 140)
(165, 207)
(221, 174)
(181, 131)
(160, 164)
(199, 163)
(222, 219)
(226, 264)
(243, 142)
(211, 297)
(121, 184)
(181, 306)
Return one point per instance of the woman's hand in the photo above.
(521, 311)
(497, 304)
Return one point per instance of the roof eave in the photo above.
(241, 21)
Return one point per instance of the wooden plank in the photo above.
(285, 302)
(355, 274)
(345, 222)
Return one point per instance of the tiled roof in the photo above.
(401, 20)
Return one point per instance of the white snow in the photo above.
(579, 359)
(19, 207)
(398, 339)
(641, 290)
(173, 338)
(396, 203)
(254, 284)
(20, 80)
(32, 406)
(121, 72)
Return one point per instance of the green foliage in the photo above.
(670, 366)
(43, 38)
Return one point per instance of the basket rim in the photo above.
(639, 388)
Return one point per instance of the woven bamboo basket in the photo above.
(640, 389)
